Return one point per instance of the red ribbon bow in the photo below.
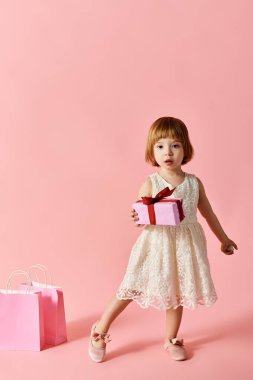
(163, 193)
(149, 201)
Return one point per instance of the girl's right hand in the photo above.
(134, 217)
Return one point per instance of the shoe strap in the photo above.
(104, 336)
(178, 342)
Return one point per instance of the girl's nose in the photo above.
(168, 150)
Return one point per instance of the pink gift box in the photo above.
(160, 209)
(166, 212)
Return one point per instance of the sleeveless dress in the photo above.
(168, 265)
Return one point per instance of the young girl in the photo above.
(168, 268)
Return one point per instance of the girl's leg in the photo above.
(173, 320)
(112, 310)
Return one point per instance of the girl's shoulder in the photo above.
(191, 175)
(146, 188)
(193, 178)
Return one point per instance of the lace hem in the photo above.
(157, 302)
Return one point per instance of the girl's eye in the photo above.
(173, 146)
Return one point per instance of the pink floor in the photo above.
(218, 349)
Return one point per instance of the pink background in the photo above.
(81, 83)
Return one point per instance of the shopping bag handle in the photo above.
(44, 269)
(15, 273)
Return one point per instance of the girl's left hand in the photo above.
(227, 246)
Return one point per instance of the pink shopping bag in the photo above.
(21, 317)
(53, 308)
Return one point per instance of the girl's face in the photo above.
(168, 153)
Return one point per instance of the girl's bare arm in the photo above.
(145, 191)
(207, 212)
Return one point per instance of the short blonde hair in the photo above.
(168, 127)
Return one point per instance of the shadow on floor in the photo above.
(238, 327)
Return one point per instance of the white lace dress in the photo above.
(168, 265)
